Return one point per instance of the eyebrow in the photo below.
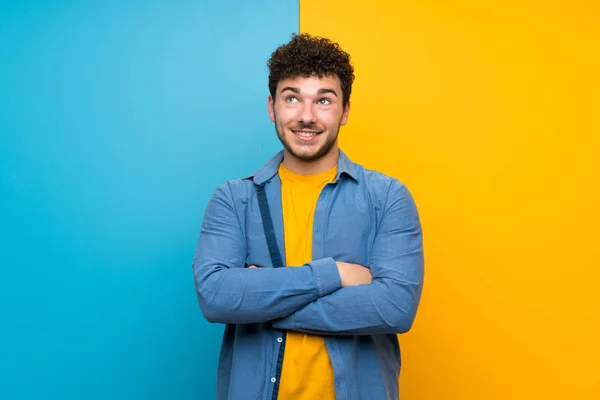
(293, 89)
(323, 91)
(319, 92)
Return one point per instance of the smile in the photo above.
(306, 133)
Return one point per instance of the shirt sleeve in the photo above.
(229, 293)
(389, 303)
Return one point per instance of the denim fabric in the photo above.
(364, 217)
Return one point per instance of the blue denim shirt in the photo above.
(363, 217)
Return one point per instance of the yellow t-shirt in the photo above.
(307, 373)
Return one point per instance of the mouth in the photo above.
(306, 135)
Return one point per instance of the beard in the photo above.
(323, 150)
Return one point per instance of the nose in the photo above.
(307, 114)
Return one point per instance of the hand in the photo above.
(353, 274)
(252, 266)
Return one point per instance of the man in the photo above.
(325, 326)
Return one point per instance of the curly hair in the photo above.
(307, 55)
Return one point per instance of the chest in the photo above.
(339, 221)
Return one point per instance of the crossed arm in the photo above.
(323, 296)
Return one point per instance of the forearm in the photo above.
(389, 303)
(377, 308)
(229, 293)
(243, 295)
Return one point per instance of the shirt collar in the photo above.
(270, 168)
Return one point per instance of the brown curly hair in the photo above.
(307, 55)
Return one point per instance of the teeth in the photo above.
(305, 134)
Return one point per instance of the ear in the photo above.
(271, 108)
(345, 114)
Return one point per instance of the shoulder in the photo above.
(386, 193)
(235, 190)
(378, 183)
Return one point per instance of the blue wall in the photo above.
(117, 121)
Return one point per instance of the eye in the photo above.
(324, 101)
(291, 99)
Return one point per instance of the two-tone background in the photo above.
(119, 118)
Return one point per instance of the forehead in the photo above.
(311, 84)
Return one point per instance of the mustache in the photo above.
(308, 127)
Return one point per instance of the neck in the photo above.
(312, 167)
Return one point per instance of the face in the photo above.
(308, 113)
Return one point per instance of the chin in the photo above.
(312, 156)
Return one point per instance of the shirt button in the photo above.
(280, 339)
(273, 380)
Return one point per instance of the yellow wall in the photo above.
(490, 115)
